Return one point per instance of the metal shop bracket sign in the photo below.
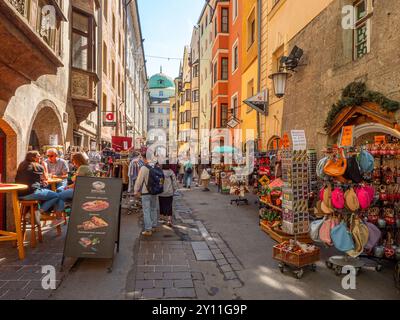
(94, 224)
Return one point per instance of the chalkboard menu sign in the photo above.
(93, 228)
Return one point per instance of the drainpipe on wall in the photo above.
(100, 75)
(259, 8)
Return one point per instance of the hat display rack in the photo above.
(357, 200)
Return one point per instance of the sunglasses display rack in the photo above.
(295, 214)
(312, 171)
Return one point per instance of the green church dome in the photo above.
(161, 81)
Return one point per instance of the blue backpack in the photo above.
(155, 184)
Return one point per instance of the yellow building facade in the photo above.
(249, 47)
(184, 116)
(281, 21)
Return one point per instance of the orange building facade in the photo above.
(226, 67)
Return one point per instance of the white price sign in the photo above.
(299, 140)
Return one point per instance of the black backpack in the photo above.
(189, 170)
(155, 185)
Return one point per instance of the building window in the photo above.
(362, 31)
(235, 9)
(113, 28)
(215, 118)
(188, 93)
(235, 60)
(224, 69)
(83, 42)
(250, 93)
(224, 115)
(105, 103)
(113, 74)
(215, 72)
(105, 58)
(235, 106)
(151, 110)
(105, 9)
(160, 123)
(196, 71)
(161, 93)
(195, 123)
(251, 29)
(225, 20)
(160, 110)
(195, 96)
(187, 116)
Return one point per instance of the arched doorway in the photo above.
(8, 164)
(46, 128)
(3, 161)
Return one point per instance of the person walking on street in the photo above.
(149, 184)
(167, 197)
(205, 179)
(187, 179)
(181, 172)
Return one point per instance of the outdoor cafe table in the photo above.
(13, 189)
(53, 183)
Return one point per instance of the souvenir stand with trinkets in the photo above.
(368, 121)
(296, 253)
(359, 201)
(239, 187)
(295, 215)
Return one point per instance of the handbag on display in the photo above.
(374, 235)
(320, 167)
(360, 235)
(351, 200)
(314, 229)
(337, 167)
(325, 230)
(342, 238)
(352, 170)
(338, 198)
(363, 198)
(366, 162)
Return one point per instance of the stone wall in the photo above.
(330, 66)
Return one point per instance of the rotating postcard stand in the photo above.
(95, 221)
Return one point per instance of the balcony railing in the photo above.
(20, 6)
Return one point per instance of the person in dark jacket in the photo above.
(31, 173)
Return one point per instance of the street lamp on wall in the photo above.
(279, 80)
(287, 63)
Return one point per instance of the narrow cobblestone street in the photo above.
(214, 251)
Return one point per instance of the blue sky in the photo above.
(167, 27)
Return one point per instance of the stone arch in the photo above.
(271, 142)
(46, 121)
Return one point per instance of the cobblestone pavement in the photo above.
(177, 263)
(22, 280)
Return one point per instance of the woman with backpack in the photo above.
(167, 197)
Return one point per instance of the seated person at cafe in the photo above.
(82, 170)
(58, 168)
(31, 173)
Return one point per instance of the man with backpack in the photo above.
(149, 184)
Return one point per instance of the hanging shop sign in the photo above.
(347, 136)
(121, 143)
(93, 229)
(109, 119)
(259, 102)
(233, 123)
(380, 139)
(299, 140)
